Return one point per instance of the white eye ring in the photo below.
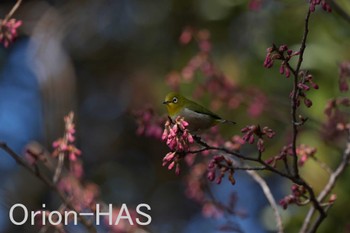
(175, 100)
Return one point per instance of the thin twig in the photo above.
(58, 170)
(13, 10)
(236, 154)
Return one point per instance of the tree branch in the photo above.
(294, 100)
(13, 10)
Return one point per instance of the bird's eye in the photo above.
(175, 100)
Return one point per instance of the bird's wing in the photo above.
(200, 109)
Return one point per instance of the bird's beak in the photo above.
(166, 102)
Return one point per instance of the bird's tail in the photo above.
(226, 121)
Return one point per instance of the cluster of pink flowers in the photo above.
(176, 135)
(223, 165)
(303, 86)
(286, 150)
(199, 62)
(323, 3)
(296, 197)
(305, 152)
(148, 124)
(281, 53)
(235, 143)
(65, 145)
(251, 131)
(172, 160)
(178, 139)
(305, 80)
(344, 75)
(258, 103)
(8, 31)
(337, 118)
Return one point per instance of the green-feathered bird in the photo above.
(197, 116)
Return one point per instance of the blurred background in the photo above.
(105, 59)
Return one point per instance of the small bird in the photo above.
(197, 116)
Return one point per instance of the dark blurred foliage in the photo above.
(104, 59)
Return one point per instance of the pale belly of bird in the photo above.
(196, 121)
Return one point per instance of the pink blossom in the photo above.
(65, 145)
(255, 5)
(186, 35)
(249, 133)
(303, 86)
(324, 4)
(260, 145)
(282, 68)
(224, 166)
(268, 63)
(8, 31)
(211, 175)
(235, 143)
(304, 152)
(268, 132)
(210, 210)
(171, 165)
(307, 102)
(287, 72)
(177, 136)
(257, 104)
(296, 197)
(148, 123)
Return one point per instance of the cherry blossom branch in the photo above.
(327, 189)
(61, 153)
(294, 101)
(36, 172)
(9, 26)
(294, 105)
(296, 180)
(58, 170)
(297, 92)
(238, 155)
(240, 165)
